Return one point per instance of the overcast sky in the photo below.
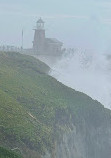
(78, 23)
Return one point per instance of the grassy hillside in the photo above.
(34, 107)
(5, 153)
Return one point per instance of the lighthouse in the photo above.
(43, 45)
(39, 37)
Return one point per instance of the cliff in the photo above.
(43, 118)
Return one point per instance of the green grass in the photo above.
(5, 153)
(34, 107)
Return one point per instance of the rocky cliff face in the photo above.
(84, 142)
(80, 145)
(41, 116)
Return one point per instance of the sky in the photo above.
(77, 23)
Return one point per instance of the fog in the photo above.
(76, 23)
(86, 71)
(85, 25)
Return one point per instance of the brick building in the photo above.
(43, 45)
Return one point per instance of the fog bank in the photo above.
(87, 72)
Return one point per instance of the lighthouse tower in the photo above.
(39, 37)
(45, 46)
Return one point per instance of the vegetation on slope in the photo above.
(34, 106)
(5, 153)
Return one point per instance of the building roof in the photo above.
(53, 41)
(40, 21)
